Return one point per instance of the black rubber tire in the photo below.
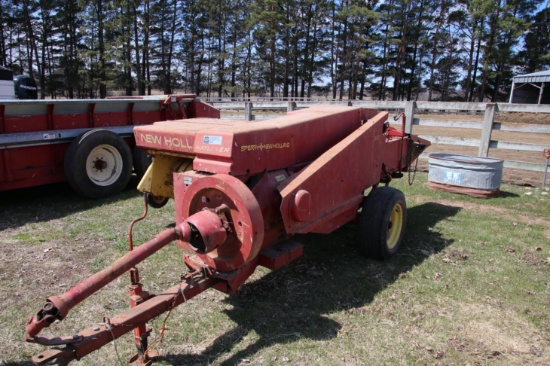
(378, 238)
(142, 160)
(101, 144)
(156, 201)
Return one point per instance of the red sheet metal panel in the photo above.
(244, 148)
(244, 214)
(39, 160)
(199, 109)
(328, 192)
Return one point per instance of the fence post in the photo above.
(291, 106)
(409, 116)
(248, 111)
(488, 121)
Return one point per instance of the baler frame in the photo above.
(237, 206)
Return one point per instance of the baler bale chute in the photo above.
(241, 191)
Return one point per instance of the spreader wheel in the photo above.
(98, 164)
(245, 230)
(382, 223)
(142, 160)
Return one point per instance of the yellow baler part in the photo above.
(158, 180)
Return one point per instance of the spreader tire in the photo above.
(156, 201)
(98, 164)
(142, 160)
(382, 223)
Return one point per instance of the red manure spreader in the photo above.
(242, 190)
(87, 142)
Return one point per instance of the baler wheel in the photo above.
(156, 201)
(98, 164)
(382, 223)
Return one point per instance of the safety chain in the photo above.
(109, 327)
(162, 329)
(409, 163)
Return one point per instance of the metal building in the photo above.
(530, 88)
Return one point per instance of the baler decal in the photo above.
(262, 146)
(164, 141)
(212, 140)
(218, 149)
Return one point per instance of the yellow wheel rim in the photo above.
(395, 226)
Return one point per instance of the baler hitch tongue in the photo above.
(203, 232)
(57, 307)
(60, 357)
(97, 336)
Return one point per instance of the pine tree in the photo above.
(267, 17)
(535, 55)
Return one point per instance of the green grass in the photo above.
(470, 285)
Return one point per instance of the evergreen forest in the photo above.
(463, 50)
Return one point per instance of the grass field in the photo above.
(470, 286)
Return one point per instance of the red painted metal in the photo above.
(252, 186)
(241, 148)
(245, 226)
(57, 307)
(202, 110)
(93, 338)
(547, 153)
(42, 162)
(335, 181)
(210, 228)
(137, 297)
(280, 254)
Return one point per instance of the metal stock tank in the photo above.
(474, 176)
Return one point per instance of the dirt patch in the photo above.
(469, 133)
(485, 336)
(501, 117)
(523, 177)
(502, 213)
(522, 117)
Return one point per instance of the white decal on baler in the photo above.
(176, 142)
(212, 140)
(215, 149)
(150, 139)
(262, 146)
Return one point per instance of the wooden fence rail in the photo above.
(487, 127)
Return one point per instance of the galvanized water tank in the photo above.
(474, 176)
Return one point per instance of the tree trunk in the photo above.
(146, 70)
(101, 41)
(476, 64)
(140, 84)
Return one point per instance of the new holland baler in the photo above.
(242, 190)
